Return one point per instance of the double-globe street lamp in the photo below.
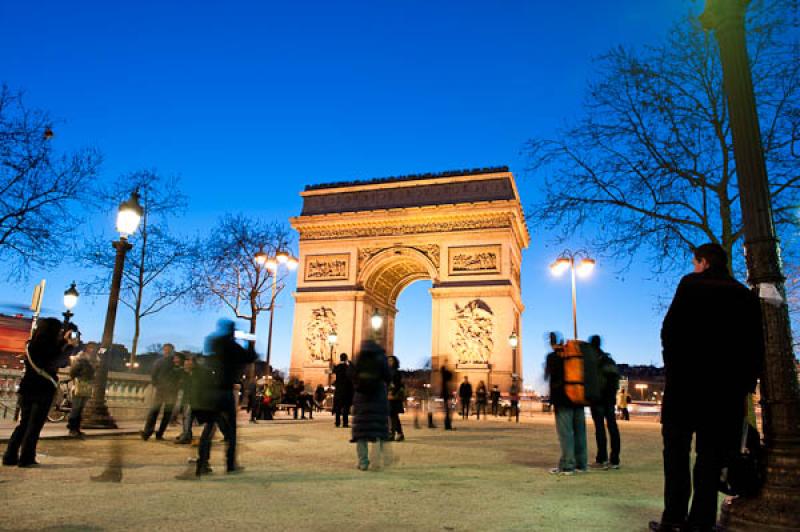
(583, 267)
(70, 300)
(273, 264)
(128, 217)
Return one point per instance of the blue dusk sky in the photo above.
(250, 101)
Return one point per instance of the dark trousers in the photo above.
(225, 418)
(602, 416)
(480, 405)
(342, 412)
(712, 442)
(152, 417)
(448, 421)
(75, 414)
(255, 408)
(306, 407)
(514, 410)
(26, 436)
(396, 427)
(495, 408)
(465, 408)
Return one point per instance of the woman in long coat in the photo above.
(370, 403)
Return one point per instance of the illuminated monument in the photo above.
(363, 242)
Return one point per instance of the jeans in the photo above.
(495, 408)
(480, 405)
(571, 429)
(602, 416)
(712, 443)
(362, 450)
(464, 408)
(225, 418)
(26, 436)
(74, 421)
(152, 416)
(514, 410)
(188, 417)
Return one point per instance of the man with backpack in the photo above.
(570, 419)
(603, 409)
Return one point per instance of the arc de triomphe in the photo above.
(363, 242)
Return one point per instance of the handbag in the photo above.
(745, 470)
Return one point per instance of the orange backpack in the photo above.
(581, 380)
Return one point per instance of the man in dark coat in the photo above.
(713, 347)
(603, 410)
(465, 395)
(495, 397)
(213, 399)
(447, 378)
(370, 403)
(165, 377)
(343, 393)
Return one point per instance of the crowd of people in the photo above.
(711, 336)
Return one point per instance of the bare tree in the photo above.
(37, 186)
(231, 276)
(649, 166)
(155, 275)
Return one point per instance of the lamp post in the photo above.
(376, 321)
(775, 507)
(128, 216)
(584, 267)
(70, 300)
(513, 341)
(273, 264)
(332, 337)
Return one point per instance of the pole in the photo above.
(271, 314)
(574, 299)
(67, 315)
(97, 415)
(775, 508)
(330, 368)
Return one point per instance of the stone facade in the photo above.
(362, 243)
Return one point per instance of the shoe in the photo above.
(145, 436)
(391, 437)
(400, 437)
(203, 469)
(561, 472)
(10, 461)
(29, 464)
(235, 470)
(159, 437)
(600, 465)
(183, 441)
(77, 435)
(657, 526)
(581, 470)
(363, 467)
(613, 466)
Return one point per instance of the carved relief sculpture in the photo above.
(429, 250)
(472, 340)
(474, 260)
(321, 324)
(327, 267)
(345, 231)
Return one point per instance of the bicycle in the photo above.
(62, 403)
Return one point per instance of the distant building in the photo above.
(644, 383)
(14, 333)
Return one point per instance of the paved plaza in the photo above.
(301, 475)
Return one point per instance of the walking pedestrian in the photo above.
(465, 394)
(82, 374)
(397, 398)
(622, 404)
(343, 391)
(187, 384)
(570, 418)
(513, 396)
(47, 350)
(165, 377)
(446, 378)
(214, 394)
(712, 339)
(480, 399)
(495, 397)
(603, 410)
(370, 405)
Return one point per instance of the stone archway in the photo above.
(363, 242)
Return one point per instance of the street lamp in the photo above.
(513, 341)
(128, 216)
(641, 387)
(272, 264)
(584, 267)
(332, 337)
(376, 321)
(70, 300)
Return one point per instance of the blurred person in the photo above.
(446, 378)
(165, 377)
(397, 398)
(495, 397)
(622, 404)
(513, 396)
(305, 401)
(570, 418)
(319, 397)
(343, 391)
(187, 383)
(291, 395)
(253, 399)
(371, 376)
(46, 352)
(603, 410)
(712, 339)
(480, 399)
(465, 395)
(213, 399)
(82, 374)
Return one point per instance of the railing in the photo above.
(124, 391)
